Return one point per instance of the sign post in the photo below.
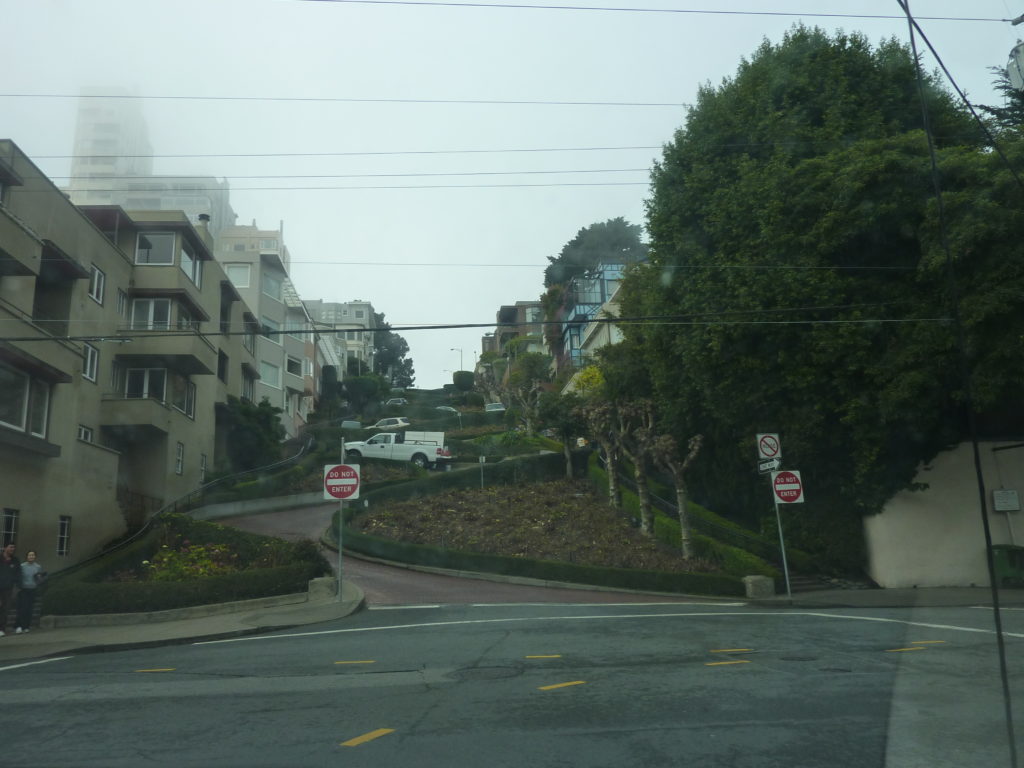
(787, 488)
(341, 481)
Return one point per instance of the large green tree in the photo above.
(615, 241)
(797, 263)
(391, 351)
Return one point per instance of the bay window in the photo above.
(155, 248)
(145, 382)
(151, 314)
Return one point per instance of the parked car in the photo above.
(392, 422)
(397, 401)
(446, 409)
(494, 408)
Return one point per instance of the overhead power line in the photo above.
(362, 175)
(357, 154)
(680, 321)
(397, 186)
(690, 11)
(344, 100)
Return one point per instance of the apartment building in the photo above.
(588, 296)
(257, 263)
(349, 327)
(120, 340)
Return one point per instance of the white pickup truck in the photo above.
(424, 449)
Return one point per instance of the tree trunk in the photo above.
(644, 495)
(685, 536)
(611, 466)
(567, 452)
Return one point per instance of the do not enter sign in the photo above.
(341, 481)
(787, 487)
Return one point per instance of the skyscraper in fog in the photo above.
(112, 164)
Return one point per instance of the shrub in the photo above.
(80, 597)
(656, 581)
(194, 555)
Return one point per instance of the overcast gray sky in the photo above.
(425, 249)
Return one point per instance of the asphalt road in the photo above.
(535, 685)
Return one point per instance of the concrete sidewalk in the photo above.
(926, 597)
(41, 643)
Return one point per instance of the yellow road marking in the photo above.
(925, 642)
(561, 685)
(367, 737)
(162, 669)
(897, 650)
(721, 663)
(731, 650)
(355, 662)
(549, 656)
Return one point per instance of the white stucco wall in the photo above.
(934, 538)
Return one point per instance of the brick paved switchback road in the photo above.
(390, 585)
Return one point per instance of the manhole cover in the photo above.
(485, 673)
(799, 658)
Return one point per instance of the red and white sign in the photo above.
(769, 446)
(341, 481)
(787, 487)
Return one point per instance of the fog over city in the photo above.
(425, 158)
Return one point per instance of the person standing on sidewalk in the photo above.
(32, 575)
(10, 577)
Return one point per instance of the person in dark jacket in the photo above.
(10, 577)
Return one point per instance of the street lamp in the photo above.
(459, 350)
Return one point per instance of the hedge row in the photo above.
(84, 590)
(651, 581)
(73, 596)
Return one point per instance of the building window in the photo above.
(151, 314)
(272, 285)
(294, 366)
(84, 433)
(249, 340)
(122, 303)
(202, 467)
(238, 274)
(186, 321)
(183, 394)
(155, 248)
(179, 459)
(97, 282)
(248, 387)
(24, 401)
(270, 374)
(9, 532)
(64, 536)
(222, 366)
(91, 362)
(191, 265)
(269, 328)
(360, 313)
(268, 244)
(307, 367)
(145, 382)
